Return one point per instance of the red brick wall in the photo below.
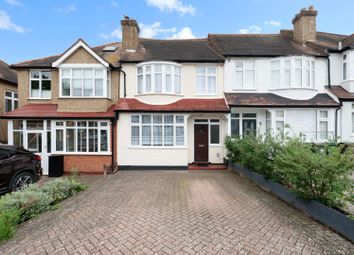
(86, 164)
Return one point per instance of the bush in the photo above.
(323, 175)
(23, 205)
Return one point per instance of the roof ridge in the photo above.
(166, 40)
(245, 35)
(36, 59)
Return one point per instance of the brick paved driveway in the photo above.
(174, 212)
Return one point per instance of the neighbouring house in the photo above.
(167, 104)
(8, 98)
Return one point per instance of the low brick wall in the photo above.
(86, 164)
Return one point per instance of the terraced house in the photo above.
(168, 104)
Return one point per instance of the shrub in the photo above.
(23, 205)
(322, 176)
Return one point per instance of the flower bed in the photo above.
(18, 207)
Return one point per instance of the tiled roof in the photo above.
(348, 42)
(7, 74)
(272, 100)
(188, 50)
(267, 45)
(182, 105)
(41, 111)
(341, 93)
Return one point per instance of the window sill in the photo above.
(158, 94)
(157, 147)
(206, 95)
(39, 98)
(254, 89)
(76, 97)
(81, 153)
(292, 88)
(215, 145)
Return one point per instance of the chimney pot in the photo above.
(130, 34)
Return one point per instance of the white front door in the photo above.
(37, 143)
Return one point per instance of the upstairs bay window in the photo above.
(159, 78)
(40, 84)
(293, 73)
(84, 82)
(206, 80)
(11, 101)
(244, 74)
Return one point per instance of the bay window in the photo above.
(157, 130)
(40, 84)
(84, 82)
(244, 74)
(206, 80)
(293, 72)
(11, 101)
(159, 77)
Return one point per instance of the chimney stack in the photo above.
(305, 25)
(130, 34)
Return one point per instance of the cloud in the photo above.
(7, 24)
(150, 31)
(67, 9)
(184, 33)
(253, 29)
(116, 33)
(273, 23)
(172, 5)
(13, 2)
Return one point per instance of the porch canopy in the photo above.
(214, 105)
(50, 111)
(262, 100)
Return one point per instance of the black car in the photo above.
(18, 168)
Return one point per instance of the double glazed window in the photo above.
(159, 78)
(206, 80)
(279, 121)
(40, 84)
(81, 136)
(323, 120)
(157, 130)
(11, 101)
(84, 82)
(244, 74)
(243, 124)
(293, 73)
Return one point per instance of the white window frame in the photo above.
(75, 128)
(345, 69)
(152, 65)
(12, 98)
(206, 75)
(244, 70)
(40, 83)
(279, 119)
(321, 119)
(175, 125)
(240, 118)
(304, 68)
(106, 79)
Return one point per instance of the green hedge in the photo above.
(21, 206)
(324, 175)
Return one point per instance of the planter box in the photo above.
(329, 217)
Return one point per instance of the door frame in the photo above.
(207, 142)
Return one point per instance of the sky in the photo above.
(32, 29)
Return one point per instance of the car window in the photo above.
(4, 154)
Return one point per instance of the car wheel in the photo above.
(21, 181)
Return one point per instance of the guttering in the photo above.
(124, 81)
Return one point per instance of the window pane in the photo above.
(77, 73)
(135, 135)
(168, 119)
(276, 79)
(249, 79)
(35, 74)
(287, 78)
(275, 65)
(59, 138)
(35, 89)
(81, 140)
(179, 119)
(148, 83)
(201, 70)
(158, 82)
(135, 119)
(65, 72)
(140, 70)
(77, 87)
(279, 125)
(104, 140)
(177, 84)
(298, 77)
(211, 70)
(168, 85)
(65, 83)
(98, 73)
(353, 122)
(214, 134)
(8, 105)
(70, 140)
(93, 140)
(157, 135)
(344, 71)
(249, 65)
(18, 138)
(8, 94)
(287, 63)
(212, 84)
(46, 89)
(179, 135)
(146, 135)
(279, 114)
(140, 84)
(99, 87)
(17, 124)
(34, 124)
(307, 78)
(177, 70)
(249, 115)
(239, 64)
(201, 84)
(15, 105)
(298, 63)
(157, 119)
(168, 130)
(88, 73)
(146, 119)
(45, 75)
(323, 129)
(323, 114)
(88, 87)
(239, 79)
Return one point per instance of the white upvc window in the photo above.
(344, 67)
(243, 124)
(84, 82)
(293, 72)
(245, 74)
(279, 121)
(159, 77)
(40, 84)
(206, 80)
(11, 101)
(322, 124)
(157, 130)
(81, 136)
